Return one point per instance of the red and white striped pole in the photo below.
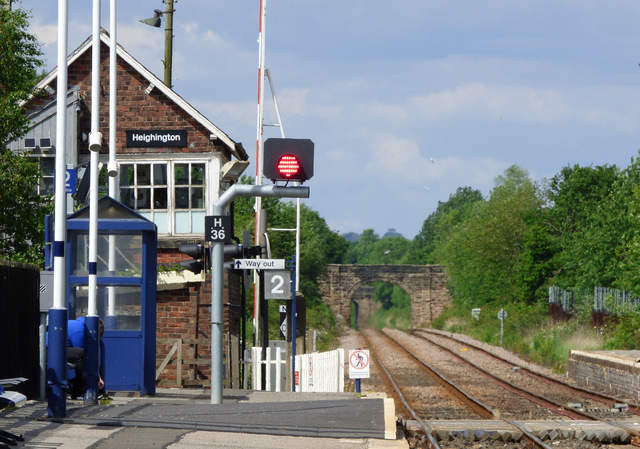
(259, 231)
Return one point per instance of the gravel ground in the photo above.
(351, 339)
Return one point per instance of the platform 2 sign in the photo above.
(359, 364)
(277, 284)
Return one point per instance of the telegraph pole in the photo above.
(168, 42)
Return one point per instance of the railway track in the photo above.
(601, 404)
(435, 387)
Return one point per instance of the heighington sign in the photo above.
(156, 138)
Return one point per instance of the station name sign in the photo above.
(146, 138)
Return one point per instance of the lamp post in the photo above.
(168, 36)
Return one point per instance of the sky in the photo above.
(405, 100)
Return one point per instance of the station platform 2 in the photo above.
(183, 415)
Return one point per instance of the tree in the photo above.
(448, 213)
(581, 198)
(22, 210)
(482, 253)
(20, 59)
(614, 233)
(359, 251)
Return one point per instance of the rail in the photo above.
(467, 399)
(540, 400)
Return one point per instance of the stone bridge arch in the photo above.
(425, 284)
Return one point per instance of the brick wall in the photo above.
(185, 313)
(136, 109)
(613, 372)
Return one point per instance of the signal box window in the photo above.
(144, 188)
(189, 197)
(171, 194)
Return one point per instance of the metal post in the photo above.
(111, 318)
(42, 336)
(57, 353)
(259, 231)
(217, 270)
(294, 329)
(263, 308)
(168, 42)
(90, 365)
(217, 321)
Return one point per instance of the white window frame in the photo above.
(211, 167)
(45, 176)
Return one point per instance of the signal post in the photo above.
(284, 160)
(217, 271)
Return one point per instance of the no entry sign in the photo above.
(359, 364)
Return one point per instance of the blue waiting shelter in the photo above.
(127, 278)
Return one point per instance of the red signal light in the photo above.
(288, 159)
(288, 166)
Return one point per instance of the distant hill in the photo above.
(354, 237)
(392, 233)
(351, 237)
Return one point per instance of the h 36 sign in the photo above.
(217, 228)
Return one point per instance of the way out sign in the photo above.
(359, 364)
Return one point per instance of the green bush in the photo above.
(549, 349)
(623, 332)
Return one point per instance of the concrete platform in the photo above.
(186, 418)
(616, 373)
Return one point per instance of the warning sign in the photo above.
(359, 364)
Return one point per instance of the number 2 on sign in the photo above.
(278, 283)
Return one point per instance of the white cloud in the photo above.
(481, 100)
(229, 116)
(475, 87)
(399, 161)
(190, 27)
(397, 158)
(47, 34)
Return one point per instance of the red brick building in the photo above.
(173, 164)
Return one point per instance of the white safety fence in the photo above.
(320, 372)
(315, 372)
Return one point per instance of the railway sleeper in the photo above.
(501, 431)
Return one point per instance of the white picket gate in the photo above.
(275, 363)
(315, 372)
(320, 372)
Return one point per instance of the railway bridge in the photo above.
(425, 284)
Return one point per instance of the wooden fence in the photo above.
(186, 363)
(19, 325)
